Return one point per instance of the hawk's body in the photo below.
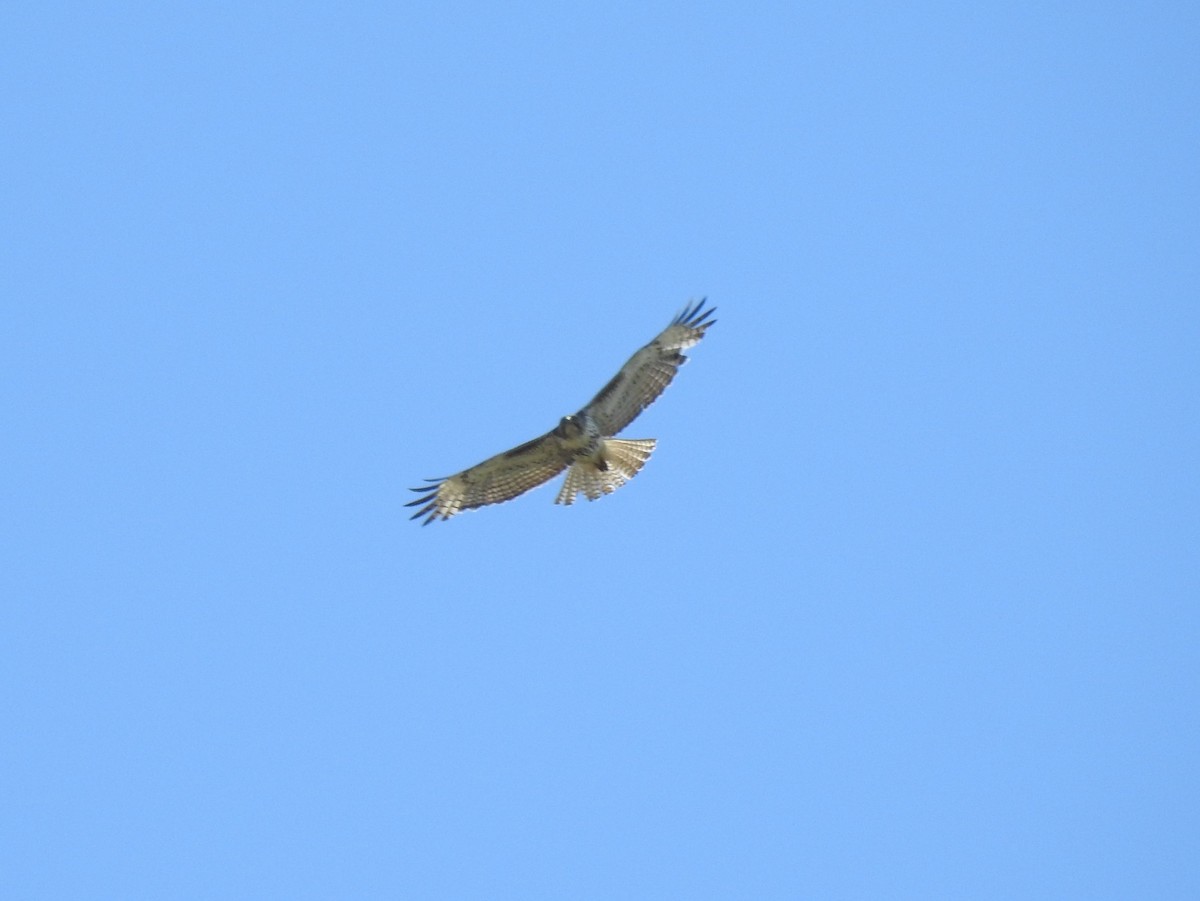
(597, 463)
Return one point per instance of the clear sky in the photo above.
(905, 605)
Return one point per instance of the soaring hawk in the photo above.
(583, 444)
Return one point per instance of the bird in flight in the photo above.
(584, 444)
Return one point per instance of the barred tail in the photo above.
(621, 459)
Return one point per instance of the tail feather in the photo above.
(623, 458)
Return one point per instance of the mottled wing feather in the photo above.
(649, 371)
(495, 480)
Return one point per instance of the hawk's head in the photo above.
(569, 427)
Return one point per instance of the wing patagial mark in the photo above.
(523, 448)
(608, 389)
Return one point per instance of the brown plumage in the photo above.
(583, 443)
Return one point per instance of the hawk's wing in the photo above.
(649, 371)
(497, 479)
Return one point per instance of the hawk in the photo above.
(583, 444)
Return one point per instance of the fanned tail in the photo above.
(623, 458)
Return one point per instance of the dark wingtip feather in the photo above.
(687, 312)
(423, 510)
(694, 315)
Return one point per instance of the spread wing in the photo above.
(495, 480)
(649, 371)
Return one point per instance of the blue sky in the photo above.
(905, 604)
